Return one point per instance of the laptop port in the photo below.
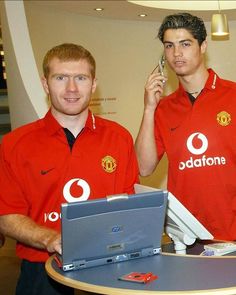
(109, 260)
(82, 265)
(135, 255)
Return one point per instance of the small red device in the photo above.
(139, 277)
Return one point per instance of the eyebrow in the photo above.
(181, 41)
(68, 75)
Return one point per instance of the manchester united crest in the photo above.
(109, 164)
(223, 118)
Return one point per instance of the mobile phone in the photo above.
(161, 64)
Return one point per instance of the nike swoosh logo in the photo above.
(43, 172)
(174, 128)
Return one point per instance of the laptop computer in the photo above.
(112, 229)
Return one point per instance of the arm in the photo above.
(145, 143)
(25, 230)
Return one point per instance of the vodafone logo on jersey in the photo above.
(199, 150)
(85, 190)
(67, 194)
(197, 144)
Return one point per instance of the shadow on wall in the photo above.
(158, 178)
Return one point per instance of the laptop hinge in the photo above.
(117, 197)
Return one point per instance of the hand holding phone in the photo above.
(160, 66)
(155, 86)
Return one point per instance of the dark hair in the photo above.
(191, 23)
(68, 52)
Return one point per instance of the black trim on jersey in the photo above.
(191, 98)
(70, 137)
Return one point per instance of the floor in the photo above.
(9, 269)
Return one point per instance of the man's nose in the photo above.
(177, 51)
(71, 84)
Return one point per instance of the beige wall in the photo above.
(125, 51)
(26, 97)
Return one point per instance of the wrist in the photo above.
(149, 110)
(47, 237)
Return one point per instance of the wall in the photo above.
(25, 94)
(125, 51)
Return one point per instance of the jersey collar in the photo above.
(91, 122)
(212, 80)
(53, 126)
(211, 83)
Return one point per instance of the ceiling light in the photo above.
(142, 15)
(219, 24)
(99, 9)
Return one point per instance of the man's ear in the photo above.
(203, 46)
(45, 84)
(94, 86)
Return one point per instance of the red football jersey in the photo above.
(200, 142)
(39, 171)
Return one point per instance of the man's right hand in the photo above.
(23, 229)
(154, 90)
(54, 244)
(145, 142)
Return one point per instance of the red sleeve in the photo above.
(12, 200)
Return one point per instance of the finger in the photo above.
(155, 84)
(158, 69)
(155, 70)
(156, 76)
(58, 248)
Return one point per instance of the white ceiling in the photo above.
(121, 9)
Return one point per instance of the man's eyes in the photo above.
(81, 78)
(168, 45)
(77, 78)
(60, 78)
(183, 44)
(186, 44)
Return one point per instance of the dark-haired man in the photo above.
(194, 126)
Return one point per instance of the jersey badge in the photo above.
(223, 118)
(109, 164)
